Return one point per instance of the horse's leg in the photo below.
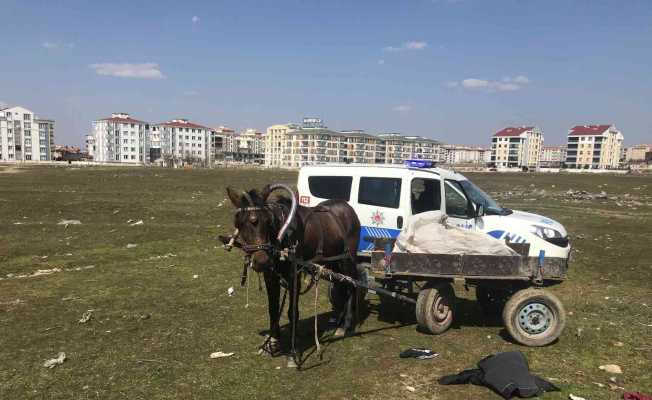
(347, 316)
(273, 285)
(293, 314)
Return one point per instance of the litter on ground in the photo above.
(53, 362)
(219, 354)
(611, 368)
(86, 316)
(418, 353)
(67, 222)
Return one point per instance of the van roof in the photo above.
(445, 173)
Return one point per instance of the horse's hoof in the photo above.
(339, 332)
(291, 362)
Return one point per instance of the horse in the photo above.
(327, 234)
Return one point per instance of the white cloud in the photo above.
(3, 104)
(507, 84)
(195, 19)
(191, 93)
(57, 45)
(415, 45)
(473, 83)
(411, 45)
(402, 108)
(126, 70)
(381, 62)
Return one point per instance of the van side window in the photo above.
(456, 203)
(425, 195)
(330, 187)
(382, 192)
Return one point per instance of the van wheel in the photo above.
(434, 309)
(534, 317)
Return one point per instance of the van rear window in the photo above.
(330, 187)
(381, 192)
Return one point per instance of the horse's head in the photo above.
(259, 226)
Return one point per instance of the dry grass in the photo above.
(154, 326)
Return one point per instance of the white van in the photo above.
(386, 196)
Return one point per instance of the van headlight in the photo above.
(544, 232)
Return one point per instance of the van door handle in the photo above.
(399, 222)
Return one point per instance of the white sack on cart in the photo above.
(429, 233)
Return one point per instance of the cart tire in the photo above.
(434, 309)
(534, 317)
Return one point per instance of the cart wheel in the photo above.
(434, 308)
(534, 317)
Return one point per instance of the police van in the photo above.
(386, 196)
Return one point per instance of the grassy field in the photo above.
(160, 308)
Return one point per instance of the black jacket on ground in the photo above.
(507, 374)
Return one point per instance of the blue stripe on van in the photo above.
(374, 232)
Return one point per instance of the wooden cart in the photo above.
(514, 284)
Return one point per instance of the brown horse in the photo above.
(327, 234)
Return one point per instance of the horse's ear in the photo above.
(235, 196)
(267, 190)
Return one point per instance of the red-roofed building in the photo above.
(120, 138)
(594, 147)
(180, 141)
(517, 147)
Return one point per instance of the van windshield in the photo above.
(479, 197)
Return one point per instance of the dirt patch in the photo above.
(10, 169)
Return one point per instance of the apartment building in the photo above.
(294, 145)
(121, 138)
(275, 143)
(24, 136)
(454, 154)
(594, 147)
(318, 146)
(218, 142)
(553, 156)
(89, 146)
(247, 146)
(517, 147)
(180, 141)
(399, 148)
(637, 153)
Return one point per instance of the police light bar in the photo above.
(420, 163)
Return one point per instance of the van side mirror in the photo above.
(479, 210)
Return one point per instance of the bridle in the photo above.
(269, 246)
(249, 249)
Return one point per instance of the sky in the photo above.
(452, 70)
